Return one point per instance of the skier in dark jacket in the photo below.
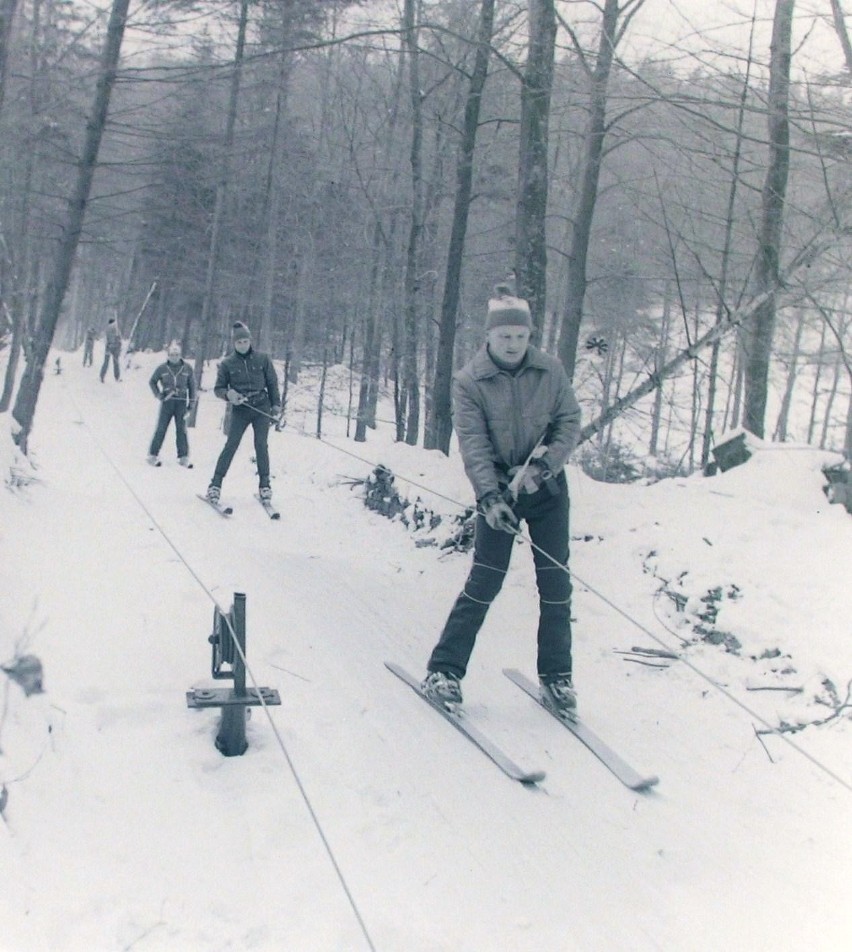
(112, 349)
(173, 384)
(517, 421)
(247, 380)
(89, 347)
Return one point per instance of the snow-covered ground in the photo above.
(358, 817)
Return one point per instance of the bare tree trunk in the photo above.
(738, 381)
(410, 380)
(531, 208)
(842, 33)
(7, 16)
(780, 434)
(370, 362)
(321, 398)
(273, 211)
(587, 190)
(440, 427)
(761, 329)
(208, 324)
(820, 363)
(15, 347)
(695, 410)
(28, 392)
(303, 274)
(847, 442)
(829, 405)
(726, 257)
(660, 356)
(381, 244)
(399, 394)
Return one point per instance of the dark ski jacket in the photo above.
(113, 339)
(173, 382)
(499, 416)
(251, 374)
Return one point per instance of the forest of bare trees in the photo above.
(352, 179)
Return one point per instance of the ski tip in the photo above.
(537, 776)
(644, 784)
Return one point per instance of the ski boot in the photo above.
(558, 695)
(442, 688)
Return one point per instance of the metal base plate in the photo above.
(225, 697)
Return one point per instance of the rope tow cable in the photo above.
(283, 747)
(628, 617)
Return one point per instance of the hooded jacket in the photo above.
(500, 415)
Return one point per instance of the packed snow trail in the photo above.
(174, 847)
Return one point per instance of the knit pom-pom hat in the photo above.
(240, 332)
(506, 309)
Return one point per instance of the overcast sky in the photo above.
(664, 28)
(698, 25)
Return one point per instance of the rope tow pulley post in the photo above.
(228, 641)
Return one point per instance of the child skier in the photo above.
(173, 384)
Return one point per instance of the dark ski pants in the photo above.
(546, 516)
(171, 410)
(105, 365)
(88, 355)
(241, 418)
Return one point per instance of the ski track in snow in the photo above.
(134, 832)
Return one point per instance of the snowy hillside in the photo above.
(358, 818)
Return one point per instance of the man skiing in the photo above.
(517, 421)
(173, 384)
(112, 348)
(247, 380)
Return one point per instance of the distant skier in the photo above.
(89, 346)
(247, 380)
(173, 384)
(517, 422)
(112, 349)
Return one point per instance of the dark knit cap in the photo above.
(506, 309)
(240, 332)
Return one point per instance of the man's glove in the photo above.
(235, 397)
(276, 412)
(529, 478)
(498, 513)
